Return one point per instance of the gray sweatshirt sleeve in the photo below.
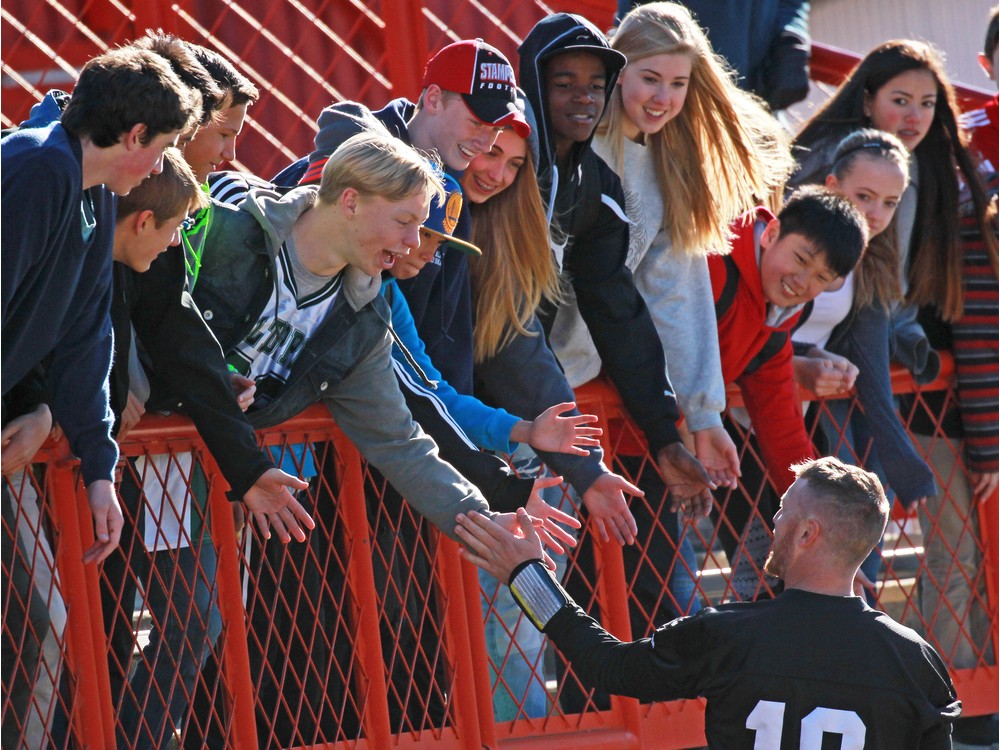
(370, 409)
(525, 379)
(678, 292)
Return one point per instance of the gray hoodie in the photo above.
(346, 363)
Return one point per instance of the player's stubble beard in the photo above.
(777, 558)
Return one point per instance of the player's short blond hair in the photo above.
(849, 502)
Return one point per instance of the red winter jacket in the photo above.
(768, 386)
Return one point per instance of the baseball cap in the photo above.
(444, 216)
(484, 78)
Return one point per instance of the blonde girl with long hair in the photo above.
(693, 152)
(515, 368)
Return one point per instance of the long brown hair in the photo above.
(935, 274)
(721, 155)
(517, 270)
(876, 279)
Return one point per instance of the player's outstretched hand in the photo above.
(495, 549)
(272, 504)
(608, 508)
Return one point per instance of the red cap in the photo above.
(484, 78)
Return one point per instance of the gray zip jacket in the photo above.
(346, 363)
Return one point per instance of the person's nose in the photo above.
(412, 239)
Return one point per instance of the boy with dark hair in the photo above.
(777, 265)
(126, 108)
(213, 145)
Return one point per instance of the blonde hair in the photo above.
(517, 270)
(379, 165)
(721, 155)
(171, 192)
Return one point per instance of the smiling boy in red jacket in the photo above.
(777, 265)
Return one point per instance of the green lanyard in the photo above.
(196, 226)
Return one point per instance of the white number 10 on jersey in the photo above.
(767, 717)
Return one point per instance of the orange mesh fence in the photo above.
(372, 633)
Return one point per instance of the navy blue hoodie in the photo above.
(440, 296)
(585, 199)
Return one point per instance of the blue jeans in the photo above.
(515, 648)
(182, 598)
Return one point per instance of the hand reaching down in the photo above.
(608, 508)
(689, 484)
(271, 503)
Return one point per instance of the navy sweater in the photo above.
(57, 287)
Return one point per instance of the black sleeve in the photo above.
(525, 379)
(188, 361)
(662, 668)
(619, 321)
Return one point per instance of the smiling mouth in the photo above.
(583, 117)
(483, 187)
(470, 155)
(654, 113)
(789, 292)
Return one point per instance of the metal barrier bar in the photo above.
(236, 655)
(361, 574)
(624, 724)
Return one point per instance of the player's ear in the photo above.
(809, 532)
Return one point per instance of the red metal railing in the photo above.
(309, 651)
(327, 639)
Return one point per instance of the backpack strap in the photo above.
(771, 347)
(728, 294)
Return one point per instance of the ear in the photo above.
(808, 533)
(866, 105)
(143, 221)
(349, 202)
(770, 236)
(133, 138)
(433, 98)
(836, 284)
(832, 182)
